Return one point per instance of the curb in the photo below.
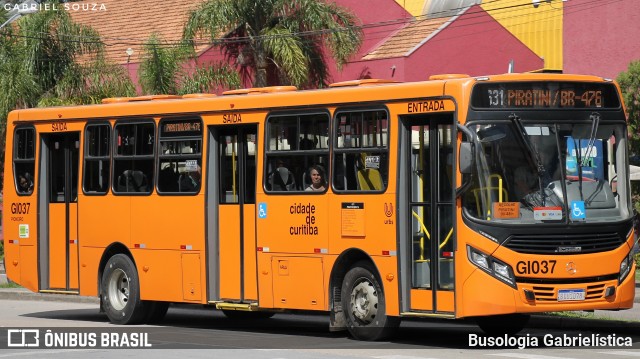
(25, 294)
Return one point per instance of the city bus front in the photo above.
(547, 196)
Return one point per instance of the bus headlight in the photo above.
(496, 268)
(625, 267)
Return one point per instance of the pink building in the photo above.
(470, 42)
(597, 38)
(601, 38)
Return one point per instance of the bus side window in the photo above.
(97, 159)
(133, 163)
(180, 156)
(24, 160)
(360, 161)
(295, 144)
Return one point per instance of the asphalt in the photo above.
(616, 319)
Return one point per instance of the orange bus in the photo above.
(486, 197)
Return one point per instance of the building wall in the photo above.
(378, 25)
(461, 47)
(540, 27)
(601, 38)
(474, 44)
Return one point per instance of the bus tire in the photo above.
(364, 306)
(510, 324)
(121, 291)
(156, 311)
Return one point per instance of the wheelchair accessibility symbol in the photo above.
(577, 210)
(262, 210)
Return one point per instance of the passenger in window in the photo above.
(190, 181)
(318, 181)
(25, 184)
(281, 178)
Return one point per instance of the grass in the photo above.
(10, 285)
(588, 315)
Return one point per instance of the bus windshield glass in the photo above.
(528, 172)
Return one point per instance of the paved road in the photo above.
(287, 336)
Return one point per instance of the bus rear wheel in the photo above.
(364, 306)
(120, 290)
(509, 324)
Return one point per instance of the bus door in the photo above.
(58, 245)
(231, 222)
(427, 235)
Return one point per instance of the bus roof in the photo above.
(282, 97)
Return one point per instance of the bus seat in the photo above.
(369, 179)
(132, 181)
(282, 180)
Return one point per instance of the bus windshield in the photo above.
(528, 172)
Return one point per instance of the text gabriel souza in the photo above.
(550, 340)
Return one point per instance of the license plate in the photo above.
(570, 294)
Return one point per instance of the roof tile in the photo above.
(406, 39)
(124, 24)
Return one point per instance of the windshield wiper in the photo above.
(582, 159)
(534, 155)
(595, 122)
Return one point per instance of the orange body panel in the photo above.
(161, 274)
(116, 227)
(89, 269)
(28, 277)
(298, 283)
(57, 246)
(265, 280)
(421, 299)
(250, 253)
(295, 223)
(73, 246)
(230, 250)
(191, 281)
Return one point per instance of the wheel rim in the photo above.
(118, 289)
(364, 302)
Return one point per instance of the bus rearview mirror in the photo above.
(466, 157)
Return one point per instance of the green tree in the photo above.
(39, 65)
(289, 37)
(165, 70)
(630, 85)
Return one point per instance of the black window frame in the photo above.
(135, 157)
(97, 158)
(382, 151)
(188, 135)
(17, 160)
(299, 152)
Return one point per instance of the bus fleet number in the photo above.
(535, 267)
(20, 208)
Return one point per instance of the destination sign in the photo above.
(545, 95)
(173, 128)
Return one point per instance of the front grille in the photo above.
(564, 243)
(549, 293)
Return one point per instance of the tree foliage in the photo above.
(40, 66)
(630, 85)
(165, 70)
(286, 37)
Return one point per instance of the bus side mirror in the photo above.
(466, 157)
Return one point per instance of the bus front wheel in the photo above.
(121, 291)
(363, 304)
